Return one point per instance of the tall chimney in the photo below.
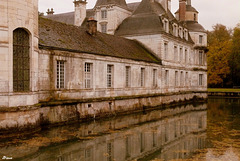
(189, 2)
(80, 11)
(182, 10)
(169, 5)
(50, 12)
(92, 26)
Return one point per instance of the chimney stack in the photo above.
(189, 2)
(169, 5)
(92, 26)
(50, 12)
(182, 10)
(80, 11)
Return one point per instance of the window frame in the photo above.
(88, 75)
(60, 74)
(127, 76)
(110, 75)
(104, 14)
(142, 77)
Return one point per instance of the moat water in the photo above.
(205, 131)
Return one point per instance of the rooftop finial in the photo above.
(50, 12)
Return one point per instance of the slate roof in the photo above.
(60, 36)
(68, 17)
(146, 19)
(121, 3)
(133, 6)
(195, 26)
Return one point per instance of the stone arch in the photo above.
(21, 60)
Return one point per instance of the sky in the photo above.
(211, 12)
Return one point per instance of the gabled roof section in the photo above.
(146, 19)
(60, 36)
(121, 3)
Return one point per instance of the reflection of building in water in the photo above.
(167, 134)
(176, 135)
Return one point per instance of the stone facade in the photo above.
(66, 73)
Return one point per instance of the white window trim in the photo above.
(60, 84)
(88, 76)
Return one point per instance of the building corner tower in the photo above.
(19, 53)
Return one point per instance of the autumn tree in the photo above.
(234, 60)
(219, 41)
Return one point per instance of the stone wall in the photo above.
(58, 112)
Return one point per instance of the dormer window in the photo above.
(195, 17)
(104, 14)
(175, 31)
(165, 25)
(180, 32)
(186, 34)
(200, 39)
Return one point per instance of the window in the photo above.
(104, 14)
(200, 57)
(104, 28)
(200, 39)
(175, 33)
(60, 74)
(88, 154)
(181, 79)
(109, 76)
(109, 152)
(180, 32)
(166, 50)
(142, 140)
(181, 54)
(21, 60)
(142, 77)
(128, 76)
(154, 77)
(166, 78)
(165, 25)
(200, 80)
(186, 56)
(176, 78)
(128, 146)
(186, 80)
(195, 17)
(175, 53)
(88, 75)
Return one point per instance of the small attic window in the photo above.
(104, 14)
(195, 17)
(180, 32)
(165, 25)
(175, 33)
(186, 34)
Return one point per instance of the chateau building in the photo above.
(114, 58)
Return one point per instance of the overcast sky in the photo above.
(211, 12)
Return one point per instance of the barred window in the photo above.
(21, 60)
(60, 74)
(109, 76)
(88, 75)
(128, 76)
(200, 57)
(142, 77)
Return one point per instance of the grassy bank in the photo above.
(223, 90)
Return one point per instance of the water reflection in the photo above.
(175, 133)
